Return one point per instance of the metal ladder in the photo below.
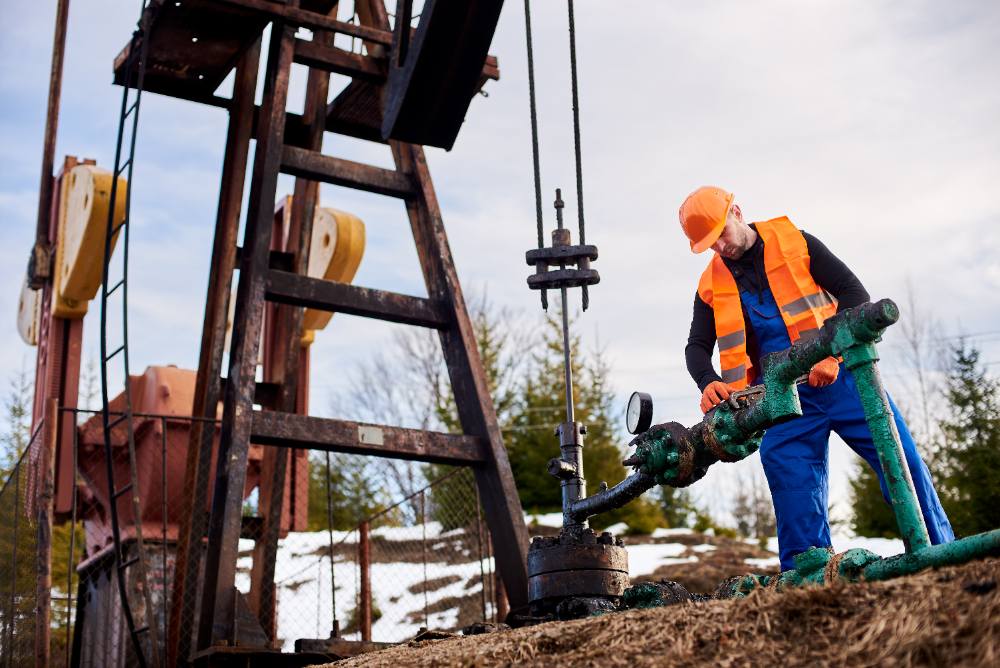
(480, 447)
(128, 123)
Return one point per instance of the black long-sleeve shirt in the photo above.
(829, 272)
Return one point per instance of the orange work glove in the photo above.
(715, 393)
(824, 372)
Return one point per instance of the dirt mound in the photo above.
(949, 617)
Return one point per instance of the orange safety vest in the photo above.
(802, 303)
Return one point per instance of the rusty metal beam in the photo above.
(217, 621)
(284, 365)
(39, 269)
(301, 17)
(502, 506)
(288, 288)
(316, 433)
(337, 171)
(316, 55)
(468, 378)
(43, 553)
(435, 72)
(365, 594)
(208, 387)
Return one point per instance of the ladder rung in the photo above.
(132, 107)
(265, 393)
(122, 491)
(338, 61)
(142, 629)
(126, 564)
(275, 259)
(307, 432)
(123, 167)
(288, 288)
(115, 287)
(115, 352)
(114, 230)
(315, 166)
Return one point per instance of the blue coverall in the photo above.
(795, 453)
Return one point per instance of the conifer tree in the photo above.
(970, 486)
(871, 515)
(17, 422)
(353, 494)
(677, 506)
(531, 442)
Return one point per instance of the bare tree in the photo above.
(924, 356)
(752, 507)
(90, 388)
(407, 383)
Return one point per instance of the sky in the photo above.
(870, 124)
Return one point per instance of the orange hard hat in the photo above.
(703, 215)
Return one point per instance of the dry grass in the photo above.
(947, 617)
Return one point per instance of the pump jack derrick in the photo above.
(398, 92)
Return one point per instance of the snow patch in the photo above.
(883, 547)
(768, 563)
(554, 520)
(665, 533)
(302, 574)
(645, 559)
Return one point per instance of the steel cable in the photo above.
(534, 135)
(576, 137)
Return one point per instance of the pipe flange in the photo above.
(578, 564)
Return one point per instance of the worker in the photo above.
(768, 285)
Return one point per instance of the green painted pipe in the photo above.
(947, 554)
(821, 566)
(674, 455)
(671, 454)
(902, 494)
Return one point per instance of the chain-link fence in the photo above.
(369, 549)
(424, 561)
(18, 562)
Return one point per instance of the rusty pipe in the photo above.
(39, 270)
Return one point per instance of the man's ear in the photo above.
(737, 212)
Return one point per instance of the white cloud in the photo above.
(871, 124)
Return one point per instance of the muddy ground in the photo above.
(945, 617)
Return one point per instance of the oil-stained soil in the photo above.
(949, 616)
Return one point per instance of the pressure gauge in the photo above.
(639, 414)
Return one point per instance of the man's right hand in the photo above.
(715, 393)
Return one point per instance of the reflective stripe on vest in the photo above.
(804, 306)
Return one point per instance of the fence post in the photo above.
(364, 564)
(479, 544)
(423, 552)
(503, 607)
(44, 490)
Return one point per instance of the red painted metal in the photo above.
(57, 371)
(365, 588)
(160, 391)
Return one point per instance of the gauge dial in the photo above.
(639, 414)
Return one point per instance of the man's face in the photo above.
(731, 244)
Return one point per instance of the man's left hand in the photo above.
(824, 372)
